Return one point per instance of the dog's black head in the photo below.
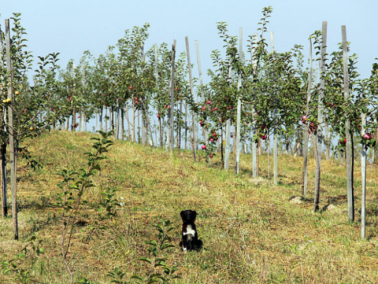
(188, 215)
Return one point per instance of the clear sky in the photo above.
(73, 26)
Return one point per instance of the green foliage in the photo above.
(74, 185)
(158, 269)
(20, 265)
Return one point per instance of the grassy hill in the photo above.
(250, 230)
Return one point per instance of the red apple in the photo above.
(215, 108)
(176, 88)
(246, 114)
(264, 137)
(131, 87)
(168, 106)
(158, 116)
(366, 136)
(211, 156)
(208, 102)
(262, 126)
(214, 134)
(211, 140)
(203, 147)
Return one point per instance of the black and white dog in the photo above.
(190, 239)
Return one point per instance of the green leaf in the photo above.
(145, 259)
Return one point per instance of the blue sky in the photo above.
(73, 26)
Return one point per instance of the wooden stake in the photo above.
(320, 119)
(348, 149)
(275, 138)
(228, 128)
(255, 156)
(191, 93)
(238, 115)
(12, 133)
(305, 131)
(363, 179)
(202, 95)
(171, 121)
(3, 147)
(227, 152)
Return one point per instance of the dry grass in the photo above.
(251, 232)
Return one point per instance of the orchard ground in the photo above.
(251, 232)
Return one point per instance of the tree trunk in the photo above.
(317, 178)
(327, 141)
(161, 133)
(227, 152)
(221, 126)
(122, 123)
(4, 179)
(97, 115)
(134, 126)
(74, 119)
(3, 148)
(106, 119)
(101, 118)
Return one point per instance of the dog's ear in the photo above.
(182, 214)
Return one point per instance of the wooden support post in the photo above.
(227, 151)
(171, 120)
(348, 148)
(305, 131)
(255, 155)
(275, 136)
(3, 147)
(319, 144)
(12, 134)
(202, 95)
(238, 115)
(363, 179)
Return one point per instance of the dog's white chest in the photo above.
(189, 232)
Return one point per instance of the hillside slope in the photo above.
(250, 230)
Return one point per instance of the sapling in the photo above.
(73, 186)
(158, 270)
